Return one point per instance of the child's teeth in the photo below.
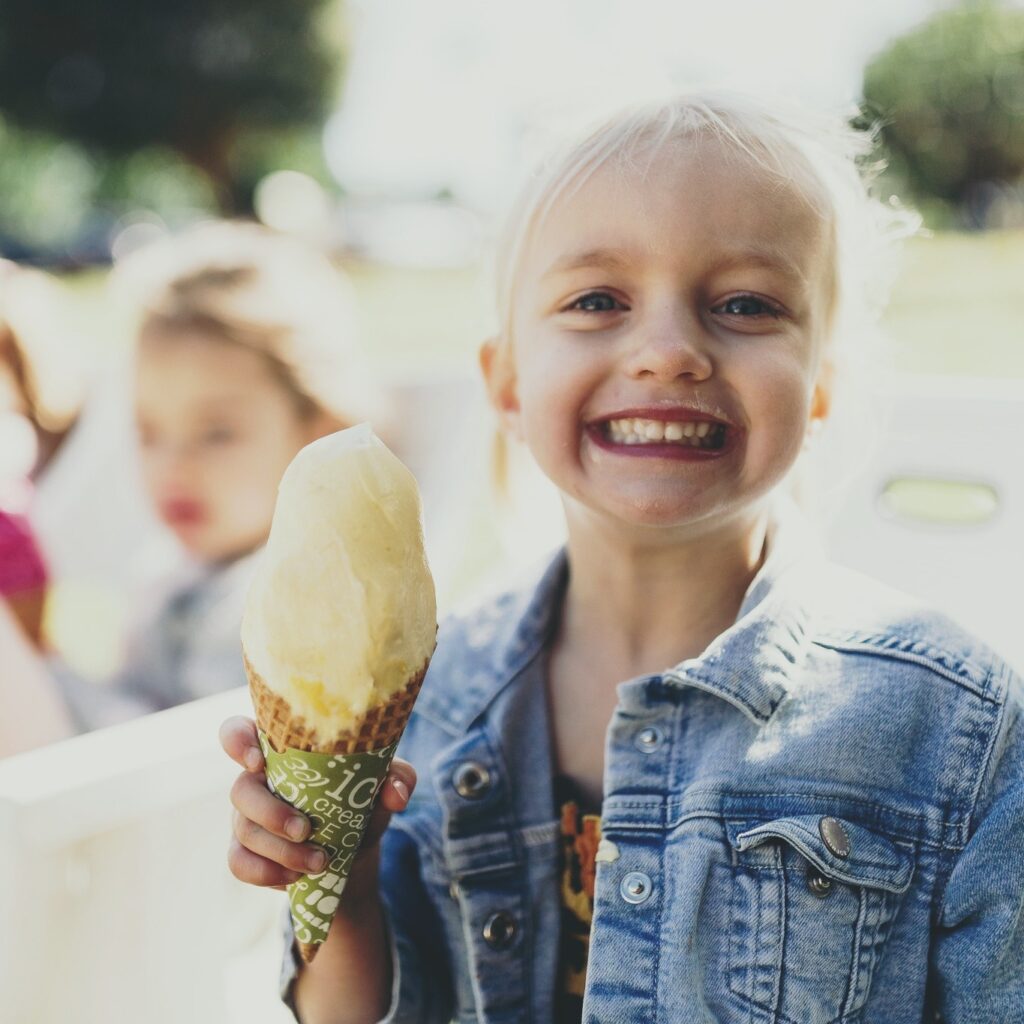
(637, 431)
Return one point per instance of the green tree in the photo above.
(950, 99)
(200, 78)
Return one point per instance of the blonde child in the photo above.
(696, 772)
(245, 353)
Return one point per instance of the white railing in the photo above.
(939, 511)
(116, 904)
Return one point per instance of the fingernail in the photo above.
(253, 758)
(401, 789)
(317, 861)
(296, 828)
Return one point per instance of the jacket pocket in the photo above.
(812, 904)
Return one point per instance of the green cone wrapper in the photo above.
(337, 793)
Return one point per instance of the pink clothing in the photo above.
(22, 568)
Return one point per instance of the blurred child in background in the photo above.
(39, 404)
(245, 354)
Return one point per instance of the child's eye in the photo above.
(218, 435)
(747, 305)
(596, 302)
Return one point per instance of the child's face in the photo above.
(216, 431)
(693, 298)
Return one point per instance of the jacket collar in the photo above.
(750, 665)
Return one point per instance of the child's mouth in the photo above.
(691, 434)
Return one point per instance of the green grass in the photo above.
(956, 306)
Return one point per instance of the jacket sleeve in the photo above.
(421, 985)
(978, 952)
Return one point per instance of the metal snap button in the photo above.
(834, 836)
(471, 780)
(648, 740)
(636, 887)
(819, 884)
(500, 930)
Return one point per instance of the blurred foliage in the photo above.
(950, 100)
(110, 105)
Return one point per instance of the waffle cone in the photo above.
(381, 726)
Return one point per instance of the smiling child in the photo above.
(696, 772)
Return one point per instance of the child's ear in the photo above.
(499, 372)
(821, 397)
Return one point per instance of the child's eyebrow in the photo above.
(222, 403)
(607, 259)
(769, 259)
(618, 259)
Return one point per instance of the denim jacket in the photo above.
(819, 820)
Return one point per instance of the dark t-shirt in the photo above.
(580, 835)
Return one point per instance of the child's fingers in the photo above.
(398, 787)
(250, 867)
(302, 857)
(254, 801)
(238, 738)
(394, 798)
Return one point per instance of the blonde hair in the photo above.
(36, 345)
(242, 284)
(819, 156)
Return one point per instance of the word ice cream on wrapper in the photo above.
(339, 627)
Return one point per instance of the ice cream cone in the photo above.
(339, 628)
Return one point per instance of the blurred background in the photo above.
(389, 135)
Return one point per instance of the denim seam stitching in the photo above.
(865, 647)
(902, 839)
(840, 873)
(957, 826)
(858, 936)
(982, 777)
(986, 764)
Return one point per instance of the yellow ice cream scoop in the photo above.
(341, 616)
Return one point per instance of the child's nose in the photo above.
(669, 344)
(172, 461)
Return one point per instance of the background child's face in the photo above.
(696, 291)
(216, 431)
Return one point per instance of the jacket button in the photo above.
(834, 836)
(636, 887)
(819, 884)
(471, 780)
(500, 930)
(648, 740)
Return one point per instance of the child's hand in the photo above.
(268, 848)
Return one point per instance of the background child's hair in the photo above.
(241, 284)
(821, 156)
(34, 346)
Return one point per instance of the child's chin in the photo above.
(199, 544)
(218, 550)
